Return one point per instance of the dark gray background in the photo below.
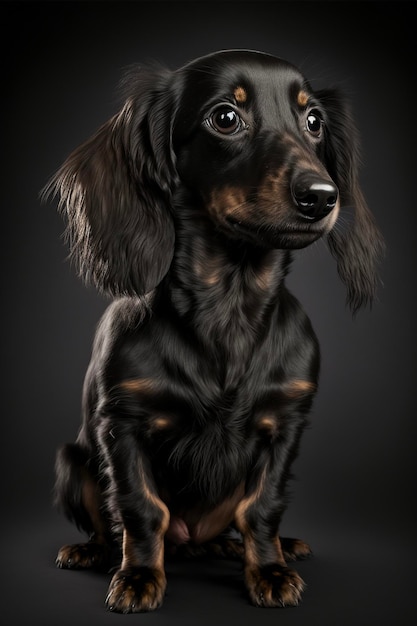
(354, 497)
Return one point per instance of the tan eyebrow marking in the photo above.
(296, 388)
(240, 94)
(302, 98)
(139, 385)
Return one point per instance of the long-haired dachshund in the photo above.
(186, 206)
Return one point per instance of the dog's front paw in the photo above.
(274, 586)
(136, 590)
(82, 556)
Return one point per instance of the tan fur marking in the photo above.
(210, 269)
(159, 551)
(161, 423)
(265, 275)
(296, 388)
(264, 278)
(274, 200)
(139, 385)
(268, 424)
(159, 504)
(129, 546)
(228, 201)
(251, 555)
(240, 95)
(252, 558)
(208, 526)
(278, 548)
(213, 277)
(245, 504)
(302, 98)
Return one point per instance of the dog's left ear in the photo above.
(116, 189)
(355, 241)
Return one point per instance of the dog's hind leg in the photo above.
(79, 495)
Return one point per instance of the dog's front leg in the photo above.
(269, 581)
(139, 585)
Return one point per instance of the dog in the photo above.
(186, 207)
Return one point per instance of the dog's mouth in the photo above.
(287, 235)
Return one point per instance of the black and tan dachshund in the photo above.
(186, 207)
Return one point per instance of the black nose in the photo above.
(314, 196)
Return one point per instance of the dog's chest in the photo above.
(198, 411)
(204, 451)
(203, 462)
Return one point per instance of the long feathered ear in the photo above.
(116, 188)
(355, 241)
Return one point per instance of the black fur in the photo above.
(186, 205)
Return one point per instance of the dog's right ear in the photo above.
(116, 189)
(358, 246)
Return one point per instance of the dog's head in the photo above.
(249, 139)
(245, 138)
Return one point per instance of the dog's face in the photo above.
(249, 138)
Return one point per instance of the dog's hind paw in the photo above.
(295, 549)
(82, 556)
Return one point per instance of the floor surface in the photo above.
(366, 581)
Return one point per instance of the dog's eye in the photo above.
(314, 123)
(225, 120)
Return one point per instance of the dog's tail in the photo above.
(71, 472)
